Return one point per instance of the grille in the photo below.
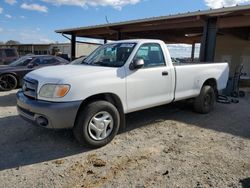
(30, 88)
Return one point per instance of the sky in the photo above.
(34, 21)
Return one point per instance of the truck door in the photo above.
(151, 85)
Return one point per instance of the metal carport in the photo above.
(193, 27)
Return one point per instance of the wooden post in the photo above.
(119, 35)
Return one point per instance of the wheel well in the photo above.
(109, 97)
(211, 82)
(13, 74)
(112, 98)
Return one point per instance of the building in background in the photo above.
(82, 49)
(24, 49)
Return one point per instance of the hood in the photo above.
(55, 74)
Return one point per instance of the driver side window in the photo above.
(152, 55)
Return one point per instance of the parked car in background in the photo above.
(11, 75)
(8, 55)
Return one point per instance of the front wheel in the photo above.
(8, 82)
(97, 124)
(204, 103)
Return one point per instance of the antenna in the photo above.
(106, 17)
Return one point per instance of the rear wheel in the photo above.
(204, 103)
(8, 82)
(97, 124)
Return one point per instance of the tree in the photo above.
(12, 42)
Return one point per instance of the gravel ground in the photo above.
(168, 146)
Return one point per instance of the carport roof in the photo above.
(182, 27)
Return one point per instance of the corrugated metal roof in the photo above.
(209, 12)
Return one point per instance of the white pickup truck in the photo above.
(116, 79)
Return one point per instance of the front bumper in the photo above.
(54, 115)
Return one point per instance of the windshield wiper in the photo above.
(97, 63)
(101, 63)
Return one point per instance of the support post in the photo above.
(73, 47)
(119, 37)
(208, 44)
(193, 52)
(32, 49)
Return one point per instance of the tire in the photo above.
(204, 103)
(93, 118)
(8, 82)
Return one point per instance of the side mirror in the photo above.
(136, 64)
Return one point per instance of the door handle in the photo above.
(165, 73)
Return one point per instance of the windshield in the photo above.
(23, 61)
(111, 55)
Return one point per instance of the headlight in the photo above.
(54, 91)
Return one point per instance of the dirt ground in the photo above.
(168, 146)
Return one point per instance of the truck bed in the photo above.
(193, 75)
